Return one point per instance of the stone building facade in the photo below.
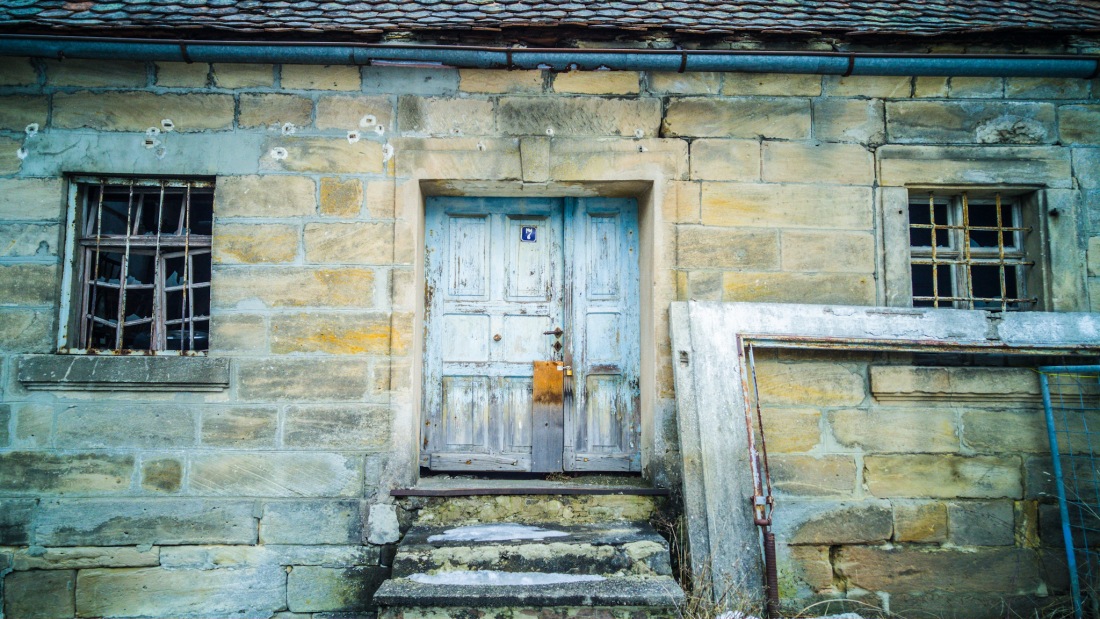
(254, 479)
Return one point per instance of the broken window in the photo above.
(970, 252)
(142, 268)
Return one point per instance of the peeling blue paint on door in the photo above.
(501, 272)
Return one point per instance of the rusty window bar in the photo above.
(950, 233)
(131, 257)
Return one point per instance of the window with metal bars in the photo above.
(143, 264)
(969, 253)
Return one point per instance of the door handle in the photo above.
(556, 332)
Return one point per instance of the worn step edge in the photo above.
(616, 533)
(645, 557)
(528, 612)
(653, 592)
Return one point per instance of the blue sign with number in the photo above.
(527, 234)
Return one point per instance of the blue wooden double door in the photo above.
(511, 282)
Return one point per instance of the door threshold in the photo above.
(465, 485)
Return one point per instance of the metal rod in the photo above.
(1063, 508)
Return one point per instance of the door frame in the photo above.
(652, 175)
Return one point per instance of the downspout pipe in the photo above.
(556, 59)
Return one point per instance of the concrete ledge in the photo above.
(108, 373)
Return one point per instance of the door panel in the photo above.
(500, 273)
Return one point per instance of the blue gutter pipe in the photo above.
(557, 59)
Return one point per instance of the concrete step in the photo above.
(536, 509)
(617, 548)
(659, 595)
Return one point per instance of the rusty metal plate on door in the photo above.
(547, 417)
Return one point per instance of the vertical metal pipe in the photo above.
(1063, 507)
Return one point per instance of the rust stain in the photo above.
(548, 383)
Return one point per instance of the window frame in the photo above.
(80, 253)
(960, 255)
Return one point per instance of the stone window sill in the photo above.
(110, 373)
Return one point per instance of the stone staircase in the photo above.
(552, 557)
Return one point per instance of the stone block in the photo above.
(974, 122)
(943, 476)
(974, 87)
(802, 162)
(137, 111)
(126, 425)
(239, 426)
(96, 73)
(1094, 256)
(182, 74)
(18, 111)
(161, 475)
(876, 86)
(320, 77)
(787, 205)
(787, 287)
(792, 429)
(266, 555)
(831, 523)
(989, 165)
(718, 248)
(563, 116)
(10, 163)
(931, 86)
(905, 569)
(694, 83)
(921, 522)
(316, 378)
(158, 592)
(40, 594)
(275, 475)
(274, 111)
(333, 333)
(802, 567)
(597, 82)
(327, 155)
(293, 287)
(157, 521)
(255, 243)
(17, 72)
(815, 384)
(1086, 167)
(355, 113)
(498, 161)
(238, 333)
(27, 331)
(33, 425)
(1005, 431)
(16, 520)
(613, 159)
(828, 251)
(981, 523)
(780, 118)
(771, 84)
(442, 117)
(1046, 88)
(1079, 124)
(23, 240)
(29, 284)
(354, 428)
(850, 120)
(265, 196)
(879, 430)
(380, 199)
(32, 199)
(725, 160)
(1039, 477)
(383, 526)
(83, 558)
(5, 424)
(813, 475)
(317, 589)
(954, 384)
(349, 243)
(500, 82)
(81, 473)
(410, 80)
(341, 197)
(243, 75)
(311, 522)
